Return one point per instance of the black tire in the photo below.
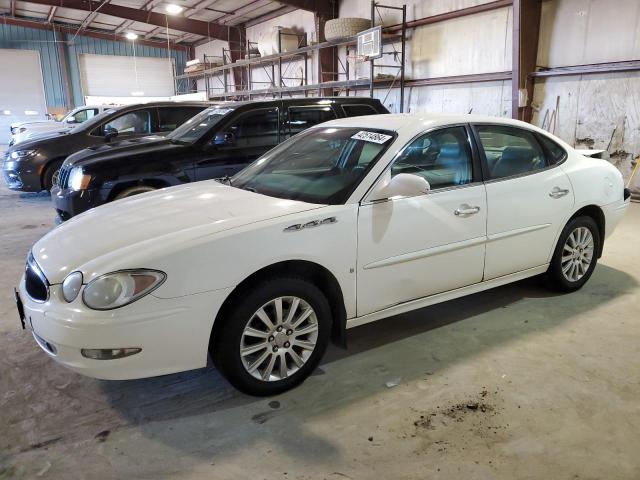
(49, 173)
(226, 340)
(558, 279)
(135, 190)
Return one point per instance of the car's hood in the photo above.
(123, 233)
(48, 127)
(30, 123)
(121, 149)
(38, 139)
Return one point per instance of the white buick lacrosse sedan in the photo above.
(346, 223)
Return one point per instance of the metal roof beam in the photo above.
(187, 25)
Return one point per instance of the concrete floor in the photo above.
(511, 383)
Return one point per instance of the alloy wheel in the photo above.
(577, 254)
(279, 338)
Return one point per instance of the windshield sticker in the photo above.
(371, 137)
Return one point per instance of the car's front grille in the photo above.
(36, 283)
(63, 176)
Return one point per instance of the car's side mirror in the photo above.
(402, 185)
(110, 133)
(71, 119)
(224, 139)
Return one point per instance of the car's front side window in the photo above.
(510, 151)
(256, 129)
(443, 158)
(319, 165)
(132, 123)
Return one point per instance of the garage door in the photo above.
(21, 89)
(115, 76)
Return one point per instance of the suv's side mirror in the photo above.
(71, 119)
(224, 139)
(402, 185)
(110, 133)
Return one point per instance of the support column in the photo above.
(237, 45)
(526, 33)
(328, 61)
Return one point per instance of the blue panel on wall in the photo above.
(48, 43)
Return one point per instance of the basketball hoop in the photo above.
(357, 58)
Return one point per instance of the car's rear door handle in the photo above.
(466, 210)
(558, 192)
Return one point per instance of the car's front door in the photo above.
(409, 248)
(528, 198)
(299, 117)
(242, 141)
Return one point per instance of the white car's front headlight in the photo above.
(78, 180)
(118, 289)
(20, 154)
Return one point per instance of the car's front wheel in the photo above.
(135, 190)
(576, 255)
(273, 336)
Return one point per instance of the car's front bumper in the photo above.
(172, 333)
(18, 175)
(69, 203)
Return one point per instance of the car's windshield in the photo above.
(193, 129)
(320, 165)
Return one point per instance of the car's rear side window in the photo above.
(356, 110)
(170, 118)
(510, 150)
(555, 153)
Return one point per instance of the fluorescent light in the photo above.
(173, 9)
(7, 112)
(137, 94)
(131, 36)
(30, 112)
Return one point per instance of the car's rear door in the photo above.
(410, 248)
(528, 199)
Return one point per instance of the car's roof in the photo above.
(409, 122)
(349, 100)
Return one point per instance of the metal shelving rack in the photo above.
(217, 78)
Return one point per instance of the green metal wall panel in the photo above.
(47, 43)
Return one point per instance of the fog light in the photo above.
(108, 353)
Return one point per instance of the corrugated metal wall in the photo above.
(44, 41)
(21, 38)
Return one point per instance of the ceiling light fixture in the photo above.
(131, 36)
(173, 9)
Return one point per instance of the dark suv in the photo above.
(31, 166)
(216, 143)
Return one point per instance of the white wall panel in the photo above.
(115, 76)
(21, 89)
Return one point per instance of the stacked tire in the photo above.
(345, 27)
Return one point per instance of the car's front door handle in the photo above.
(466, 210)
(558, 192)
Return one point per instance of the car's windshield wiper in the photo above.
(226, 180)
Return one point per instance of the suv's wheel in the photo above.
(273, 337)
(50, 177)
(135, 190)
(575, 256)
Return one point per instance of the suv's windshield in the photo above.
(193, 129)
(320, 165)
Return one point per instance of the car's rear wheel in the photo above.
(135, 190)
(273, 336)
(576, 254)
(50, 177)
